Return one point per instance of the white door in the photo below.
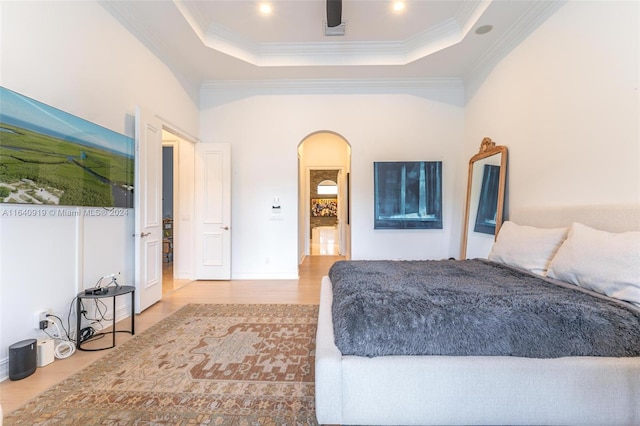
(148, 210)
(213, 211)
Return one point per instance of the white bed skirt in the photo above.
(470, 390)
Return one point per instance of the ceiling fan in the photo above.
(334, 13)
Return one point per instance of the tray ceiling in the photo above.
(208, 41)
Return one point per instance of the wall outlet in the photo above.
(41, 321)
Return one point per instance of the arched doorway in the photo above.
(323, 156)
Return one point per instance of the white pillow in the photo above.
(527, 247)
(605, 262)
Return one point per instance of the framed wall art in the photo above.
(408, 195)
(50, 157)
(324, 207)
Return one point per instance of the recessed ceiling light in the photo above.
(483, 29)
(398, 6)
(265, 8)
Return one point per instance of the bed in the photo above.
(446, 389)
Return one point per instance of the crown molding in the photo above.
(322, 86)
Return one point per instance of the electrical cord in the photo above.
(89, 332)
(86, 334)
(65, 347)
(66, 331)
(100, 312)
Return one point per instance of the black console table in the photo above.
(112, 292)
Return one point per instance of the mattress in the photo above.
(473, 307)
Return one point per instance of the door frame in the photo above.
(183, 202)
(181, 138)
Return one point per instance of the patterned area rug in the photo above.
(203, 365)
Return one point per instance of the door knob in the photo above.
(226, 228)
(144, 234)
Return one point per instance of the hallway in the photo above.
(328, 248)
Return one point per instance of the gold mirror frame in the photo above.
(488, 149)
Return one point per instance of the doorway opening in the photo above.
(323, 220)
(324, 165)
(167, 216)
(176, 167)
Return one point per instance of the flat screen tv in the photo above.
(51, 157)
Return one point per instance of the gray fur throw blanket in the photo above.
(473, 307)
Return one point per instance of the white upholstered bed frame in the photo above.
(485, 390)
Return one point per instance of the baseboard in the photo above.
(122, 313)
(263, 276)
(4, 369)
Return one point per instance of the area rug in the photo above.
(203, 365)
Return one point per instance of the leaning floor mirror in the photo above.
(485, 199)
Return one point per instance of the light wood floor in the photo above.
(168, 282)
(306, 290)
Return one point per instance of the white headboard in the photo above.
(609, 217)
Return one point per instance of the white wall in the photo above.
(76, 57)
(566, 104)
(264, 132)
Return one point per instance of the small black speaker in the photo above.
(23, 359)
(334, 13)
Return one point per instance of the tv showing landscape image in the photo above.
(50, 157)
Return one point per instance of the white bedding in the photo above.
(443, 390)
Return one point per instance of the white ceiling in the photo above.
(213, 40)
